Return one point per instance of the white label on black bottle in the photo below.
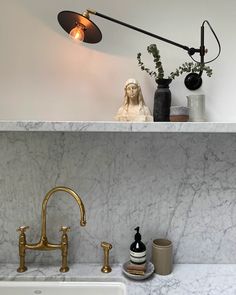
(137, 254)
(138, 257)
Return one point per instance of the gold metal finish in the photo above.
(106, 248)
(22, 242)
(43, 243)
(89, 11)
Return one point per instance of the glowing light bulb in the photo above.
(77, 33)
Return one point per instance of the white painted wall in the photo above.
(46, 76)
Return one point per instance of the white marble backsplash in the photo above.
(178, 186)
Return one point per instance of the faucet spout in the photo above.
(44, 207)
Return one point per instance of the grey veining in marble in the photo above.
(113, 126)
(178, 186)
(185, 279)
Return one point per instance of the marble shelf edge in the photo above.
(188, 279)
(111, 126)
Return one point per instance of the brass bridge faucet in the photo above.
(43, 243)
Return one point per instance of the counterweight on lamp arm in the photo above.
(80, 27)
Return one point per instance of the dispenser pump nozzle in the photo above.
(137, 236)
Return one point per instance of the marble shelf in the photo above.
(111, 126)
(186, 279)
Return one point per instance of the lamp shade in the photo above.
(70, 20)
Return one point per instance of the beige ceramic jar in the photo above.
(162, 256)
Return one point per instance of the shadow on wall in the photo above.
(113, 33)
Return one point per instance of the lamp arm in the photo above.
(70, 20)
(191, 50)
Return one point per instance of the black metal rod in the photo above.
(145, 32)
(202, 47)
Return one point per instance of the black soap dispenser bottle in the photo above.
(137, 249)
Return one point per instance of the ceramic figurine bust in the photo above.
(133, 107)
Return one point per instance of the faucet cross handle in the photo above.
(65, 229)
(22, 229)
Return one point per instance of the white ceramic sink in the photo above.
(61, 288)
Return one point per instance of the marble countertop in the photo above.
(112, 126)
(210, 279)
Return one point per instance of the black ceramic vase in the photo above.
(162, 101)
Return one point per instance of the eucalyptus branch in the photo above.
(152, 49)
(187, 67)
(143, 68)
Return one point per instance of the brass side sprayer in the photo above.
(106, 248)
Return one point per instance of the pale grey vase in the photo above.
(196, 105)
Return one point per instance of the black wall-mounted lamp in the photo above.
(80, 27)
